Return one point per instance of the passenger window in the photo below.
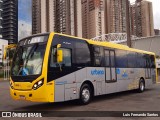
(121, 59)
(98, 56)
(131, 59)
(82, 54)
(66, 58)
(140, 61)
(152, 61)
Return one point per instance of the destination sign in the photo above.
(33, 40)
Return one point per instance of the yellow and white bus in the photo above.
(55, 67)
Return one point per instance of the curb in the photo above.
(2, 80)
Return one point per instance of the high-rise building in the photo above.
(36, 16)
(93, 18)
(1, 18)
(116, 16)
(85, 19)
(63, 16)
(142, 19)
(10, 21)
(147, 19)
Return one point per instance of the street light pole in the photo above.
(128, 24)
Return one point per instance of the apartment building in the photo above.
(1, 18)
(93, 19)
(10, 20)
(116, 16)
(142, 24)
(63, 16)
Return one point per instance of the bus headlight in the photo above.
(38, 84)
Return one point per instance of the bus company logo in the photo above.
(118, 71)
(17, 85)
(97, 72)
(124, 74)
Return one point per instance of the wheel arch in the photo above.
(142, 78)
(90, 84)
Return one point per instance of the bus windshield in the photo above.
(28, 60)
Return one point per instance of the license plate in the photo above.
(22, 97)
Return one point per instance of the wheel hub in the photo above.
(85, 95)
(142, 86)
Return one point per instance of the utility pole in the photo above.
(128, 24)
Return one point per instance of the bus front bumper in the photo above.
(31, 95)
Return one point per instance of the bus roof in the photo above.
(105, 44)
(109, 44)
(118, 46)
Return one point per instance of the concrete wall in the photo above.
(149, 44)
(3, 43)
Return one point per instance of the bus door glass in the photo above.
(111, 75)
(147, 67)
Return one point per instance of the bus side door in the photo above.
(111, 75)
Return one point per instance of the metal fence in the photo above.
(6, 69)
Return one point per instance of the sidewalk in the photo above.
(2, 80)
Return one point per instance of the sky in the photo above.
(24, 18)
(156, 12)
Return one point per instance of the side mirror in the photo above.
(59, 56)
(58, 46)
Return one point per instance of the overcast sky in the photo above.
(24, 18)
(156, 12)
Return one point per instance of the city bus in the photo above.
(54, 67)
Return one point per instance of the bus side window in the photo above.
(98, 56)
(153, 61)
(131, 59)
(82, 54)
(147, 61)
(141, 63)
(121, 59)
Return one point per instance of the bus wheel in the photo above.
(141, 86)
(85, 94)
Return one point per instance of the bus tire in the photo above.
(85, 94)
(141, 86)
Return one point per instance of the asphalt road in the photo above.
(124, 101)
